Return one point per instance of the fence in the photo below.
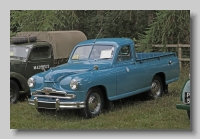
(182, 51)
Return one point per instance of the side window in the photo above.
(41, 52)
(124, 54)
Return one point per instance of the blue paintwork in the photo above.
(111, 74)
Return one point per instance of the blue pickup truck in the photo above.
(100, 71)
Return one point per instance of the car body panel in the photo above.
(117, 79)
(185, 105)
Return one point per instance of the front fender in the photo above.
(21, 80)
(186, 88)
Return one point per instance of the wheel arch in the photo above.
(163, 79)
(103, 90)
(18, 83)
(162, 76)
(20, 80)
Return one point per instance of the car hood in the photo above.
(14, 61)
(58, 73)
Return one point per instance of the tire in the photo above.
(188, 113)
(14, 92)
(23, 39)
(156, 88)
(94, 103)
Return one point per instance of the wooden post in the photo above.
(179, 55)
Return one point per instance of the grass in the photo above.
(133, 113)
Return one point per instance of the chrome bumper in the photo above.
(56, 105)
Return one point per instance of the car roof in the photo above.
(112, 41)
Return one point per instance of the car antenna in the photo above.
(97, 35)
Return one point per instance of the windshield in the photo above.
(19, 51)
(93, 52)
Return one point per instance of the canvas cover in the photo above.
(62, 41)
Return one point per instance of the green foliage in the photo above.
(168, 27)
(42, 20)
(129, 114)
(114, 23)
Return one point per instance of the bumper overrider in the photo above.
(186, 102)
(52, 94)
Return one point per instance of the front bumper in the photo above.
(183, 106)
(57, 105)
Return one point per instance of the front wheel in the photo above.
(156, 88)
(94, 103)
(14, 92)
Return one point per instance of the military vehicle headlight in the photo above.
(31, 82)
(73, 84)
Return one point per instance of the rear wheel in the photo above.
(14, 92)
(156, 88)
(94, 103)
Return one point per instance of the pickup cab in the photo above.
(100, 71)
(33, 52)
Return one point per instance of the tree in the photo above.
(114, 23)
(168, 27)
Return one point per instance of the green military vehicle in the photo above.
(34, 52)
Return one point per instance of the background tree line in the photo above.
(145, 27)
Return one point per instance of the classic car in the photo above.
(100, 71)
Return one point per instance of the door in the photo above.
(127, 71)
(40, 57)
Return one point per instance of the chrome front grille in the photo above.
(52, 93)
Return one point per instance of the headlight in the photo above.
(31, 82)
(74, 84)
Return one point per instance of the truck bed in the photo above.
(146, 56)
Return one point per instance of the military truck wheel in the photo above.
(94, 103)
(156, 88)
(14, 92)
(188, 113)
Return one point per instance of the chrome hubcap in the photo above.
(155, 88)
(94, 103)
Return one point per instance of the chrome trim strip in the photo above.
(51, 91)
(68, 96)
(58, 105)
